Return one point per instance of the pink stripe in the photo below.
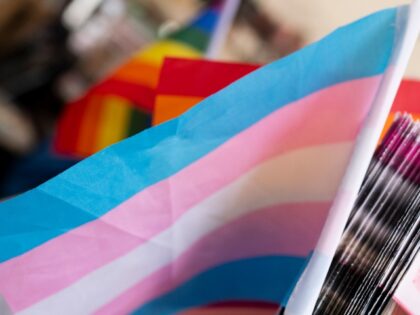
(294, 227)
(68, 257)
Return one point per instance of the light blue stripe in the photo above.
(98, 184)
(264, 279)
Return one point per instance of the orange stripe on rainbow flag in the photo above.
(88, 127)
(171, 106)
(140, 72)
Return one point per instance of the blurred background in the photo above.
(52, 51)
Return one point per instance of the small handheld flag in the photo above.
(225, 203)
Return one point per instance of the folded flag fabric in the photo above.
(223, 204)
(121, 105)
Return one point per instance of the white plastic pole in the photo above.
(229, 10)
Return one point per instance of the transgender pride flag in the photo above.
(218, 211)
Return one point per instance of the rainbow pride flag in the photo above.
(121, 105)
(221, 208)
(185, 82)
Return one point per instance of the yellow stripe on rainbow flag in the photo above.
(154, 54)
(113, 122)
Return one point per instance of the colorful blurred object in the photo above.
(122, 104)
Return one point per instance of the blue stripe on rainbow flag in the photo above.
(207, 21)
(264, 279)
(101, 182)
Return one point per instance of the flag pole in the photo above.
(229, 10)
(305, 294)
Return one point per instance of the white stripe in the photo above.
(305, 175)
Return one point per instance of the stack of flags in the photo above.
(121, 105)
(382, 235)
(230, 207)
